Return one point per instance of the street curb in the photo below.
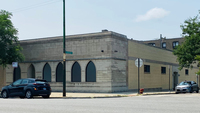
(158, 94)
(80, 97)
(118, 96)
(112, 96)
(89, 97)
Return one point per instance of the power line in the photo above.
(34, 6)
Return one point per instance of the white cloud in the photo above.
(154, 13)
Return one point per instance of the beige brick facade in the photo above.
(156, 58)
(113, 55)
(107, 50)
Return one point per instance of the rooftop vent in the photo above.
(104, 30)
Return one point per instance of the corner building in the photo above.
(101, 62)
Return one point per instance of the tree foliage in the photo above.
(10, 50)
(190, 48)
(198, 58)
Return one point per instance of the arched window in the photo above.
(31, 72)
(90, 72)
(59, 72)
(17, 74)
(76, 72)
(47, 72)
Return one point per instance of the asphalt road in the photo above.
(172, 103)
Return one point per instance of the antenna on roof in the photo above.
(160, 40)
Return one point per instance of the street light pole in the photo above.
(169, 77)
(64, 55)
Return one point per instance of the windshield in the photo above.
(183, 83)
(40, 81)
(189, 82)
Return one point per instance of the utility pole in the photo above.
(64, 55)
(169, 77)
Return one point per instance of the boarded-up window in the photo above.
(31, 72)
(47, 72)
(76, 72)
(59, 73)
(90, 72)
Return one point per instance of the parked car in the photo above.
(187, 86)
(28, 88)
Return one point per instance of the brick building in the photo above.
(101, 62)
(165, 43)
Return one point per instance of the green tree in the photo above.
(198, 58)
(190, 48)
(10, 50)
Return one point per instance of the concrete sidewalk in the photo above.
(105, 95)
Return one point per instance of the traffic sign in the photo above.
(141, 62)
(15, 64)
(68, 52)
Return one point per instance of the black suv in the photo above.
(28, 88)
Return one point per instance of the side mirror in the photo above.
(12, 85)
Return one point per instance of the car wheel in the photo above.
(22, 97)
(176, 92)
(29, 94)
(47, 96)
(197, 91)
(191, 90)
(5, 94)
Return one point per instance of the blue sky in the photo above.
(137, 19)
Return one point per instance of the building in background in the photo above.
(101, 62)
(165, 43)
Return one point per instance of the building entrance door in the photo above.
(17, 74)
(175, 80)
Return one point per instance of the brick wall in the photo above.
(100, 48)
(156, 58)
